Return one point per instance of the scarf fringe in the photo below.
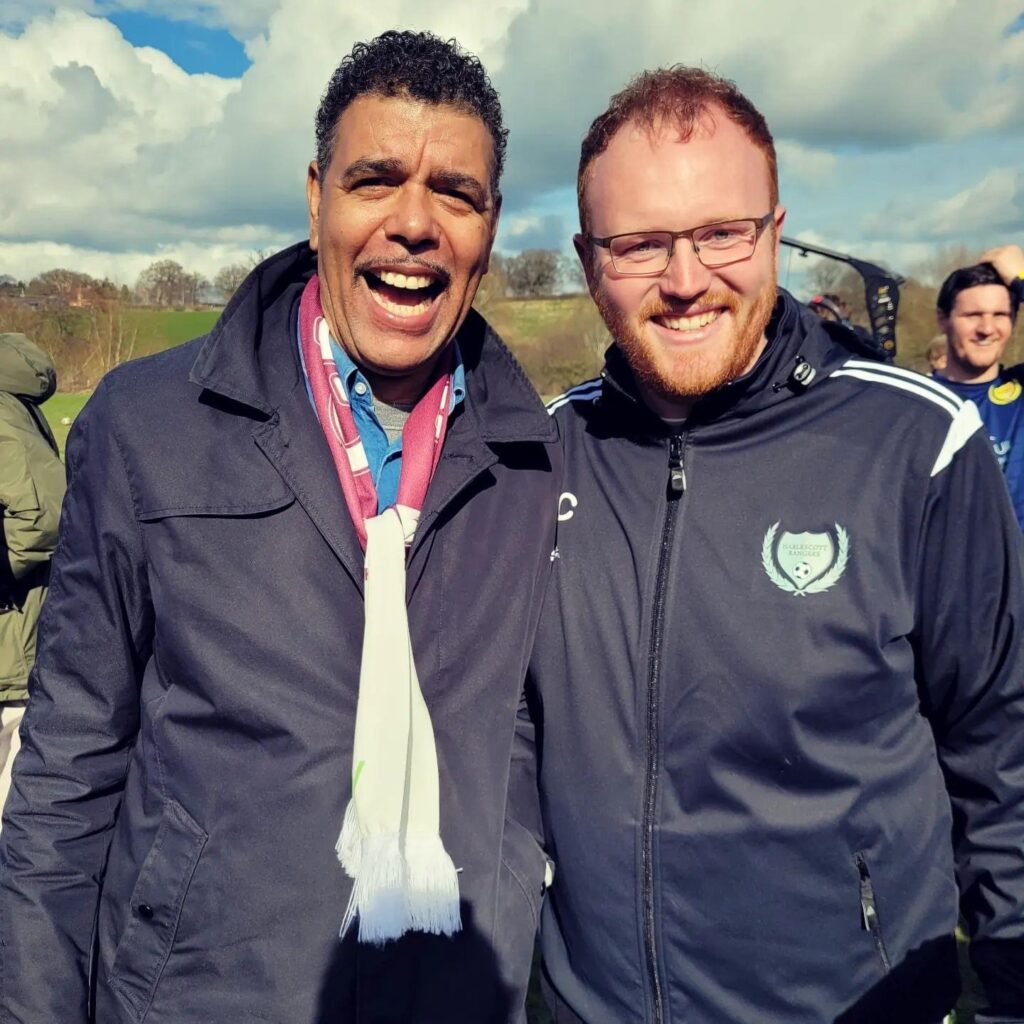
(349, 846)
(396, 890)
(432, 886)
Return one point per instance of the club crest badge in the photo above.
(805, 563)
(1005, 394)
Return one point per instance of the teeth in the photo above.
(405, 280)
(690, 323)
(394, 307)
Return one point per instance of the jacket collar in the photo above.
(796, 337)
(250, 356)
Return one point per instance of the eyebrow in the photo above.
(461, 182)
(384, 167)
(390, 167)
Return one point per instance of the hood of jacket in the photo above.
(801, 352)
(25, 369)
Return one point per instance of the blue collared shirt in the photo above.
(384, 458)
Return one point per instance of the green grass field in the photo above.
(60, 408)
(163, 328)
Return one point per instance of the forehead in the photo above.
(376, 127)
(653, 179)
(983, 298)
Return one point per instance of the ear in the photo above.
(494, 232)
(313, 203)
(780, 217)
(943, 322)
(585, 256)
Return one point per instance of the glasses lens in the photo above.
(645, 253)
(726, 242)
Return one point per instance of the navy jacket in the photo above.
(187, 746)
(779, 686)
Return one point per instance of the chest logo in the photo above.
(1004, 394)
(567, 502)
(805, 563)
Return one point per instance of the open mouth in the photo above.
(688, 323)
(405, 295)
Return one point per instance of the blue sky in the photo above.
(183, 127)
(194, 47)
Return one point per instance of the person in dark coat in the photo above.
(270, 770)
(781, 651)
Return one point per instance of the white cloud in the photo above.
(805, 164)
(991, 207)
(111, 149)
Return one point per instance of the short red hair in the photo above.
(679, 96)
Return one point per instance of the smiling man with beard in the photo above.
(267, 764)
(778, 685)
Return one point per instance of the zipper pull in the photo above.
(676, 473)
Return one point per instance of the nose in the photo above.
(986, 326)
(411, 219)
(685, 276)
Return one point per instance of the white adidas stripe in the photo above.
(589, 390)
(912, 384)
(965, 419)
(899, 372)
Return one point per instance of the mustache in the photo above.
(659, 306)
(440, 272)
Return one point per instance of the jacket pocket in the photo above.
(869, 910)
(522, 880)
(155, 908)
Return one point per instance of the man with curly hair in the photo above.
(270, 769)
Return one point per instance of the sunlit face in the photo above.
(402, 221)
(977, 330)
(690, 329)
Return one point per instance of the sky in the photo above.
(136, 130)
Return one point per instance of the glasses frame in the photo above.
(760, 224)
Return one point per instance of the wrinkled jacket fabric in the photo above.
(780, 686)
(187, 751)
(31, 490)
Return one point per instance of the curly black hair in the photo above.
(415, 64)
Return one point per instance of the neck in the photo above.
(968, 374)
(402, 389)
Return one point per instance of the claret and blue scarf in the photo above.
(390, 842)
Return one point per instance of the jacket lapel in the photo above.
(293, 442)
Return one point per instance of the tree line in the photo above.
(85, 323)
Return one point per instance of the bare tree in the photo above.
(533, 272)
(228, 279)
(162, 283)
(111, 340)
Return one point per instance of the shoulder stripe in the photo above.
(945, 401)
(965, 423)
(898, 371)
(588, 391)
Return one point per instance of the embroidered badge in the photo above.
(805, 563)
(1004, 394)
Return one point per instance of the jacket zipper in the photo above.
(869, 910)
(675, 489)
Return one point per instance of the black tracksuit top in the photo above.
(779, 693)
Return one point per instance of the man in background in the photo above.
(31, 491)
(976, 310)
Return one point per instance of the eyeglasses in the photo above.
(715, 245)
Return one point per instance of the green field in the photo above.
(163, 328)
(60, 408)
